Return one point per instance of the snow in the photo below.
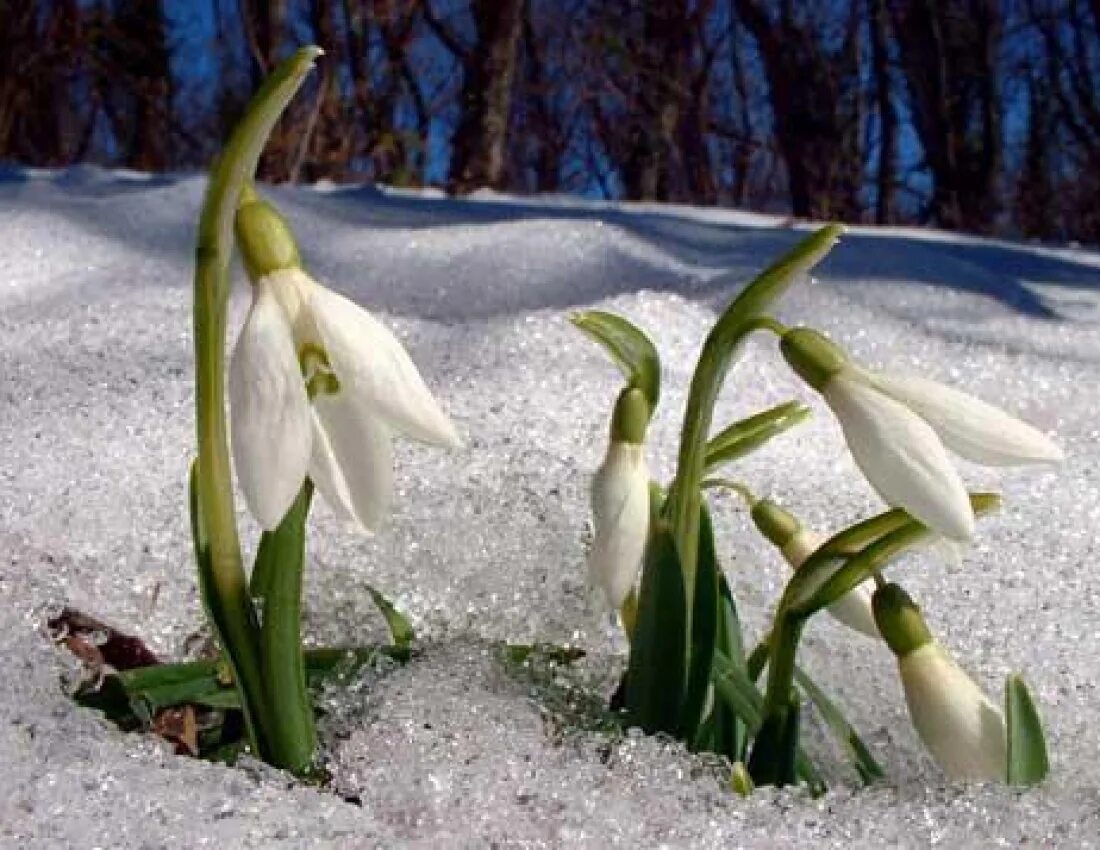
(458, 749)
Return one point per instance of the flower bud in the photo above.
(963, 730)
(780, 526)
(812, 355)
(797, 543)
(620, 502)
(899, 620)
(631, 417)
(265, 239)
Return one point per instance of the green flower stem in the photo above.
(294, 737)
(226, 589)
(746, 314)
(783, 649)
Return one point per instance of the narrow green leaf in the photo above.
(1027, 747)
(280, 563)
(401, 630)
(198, 534)
(864, 763)
(222, 582)
(733, 685)
(828, 575)
(655, 673)
(633, 352)
(704, 630)
(746, 436)
(730, 732)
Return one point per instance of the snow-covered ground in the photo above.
(454, 750)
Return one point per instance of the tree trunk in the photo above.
(816, 107)
(662, 71)
(886, 177)
(477, 157)
(949, 54)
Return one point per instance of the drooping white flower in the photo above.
(318, 386)
(896, 429)
(970, 427)
(853, 609)
(961, 727)
(620, 503)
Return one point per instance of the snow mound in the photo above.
(459, 748)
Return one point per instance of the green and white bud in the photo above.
(961, 727)
(797, 543)
(266, 241)
(620, 502)
(813, 356)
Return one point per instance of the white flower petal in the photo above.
(901, 457)
(361, 480)
(270, 417)
(293, 288)
(372, 364)
(620, 513)
(968, 426)
(962, 728)
(854, 609)
(326, 475)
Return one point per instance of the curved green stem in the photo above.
(782, 650)
(744, 316)
(225, 586)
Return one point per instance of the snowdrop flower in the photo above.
(898, 430)
(620, 502)
(797, 543)
(962, 728)
(317, 387)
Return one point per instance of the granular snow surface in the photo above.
(459, 748)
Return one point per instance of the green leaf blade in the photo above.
(656, 671)
(868, 769)
(704, 630)
(830, 573)
(749, 434)
(401, 629)
(1028, 763)
(633, 352)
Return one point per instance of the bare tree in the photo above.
(816, 102)
(661, 55)
(886, 176)
(949, 54)
(1070, 35)
(488, 70)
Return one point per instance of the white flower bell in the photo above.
(620, 502)
(797, 543)
(318, 387)
(962, 728)
(897, 428)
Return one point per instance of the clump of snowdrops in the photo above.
(691, 672)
